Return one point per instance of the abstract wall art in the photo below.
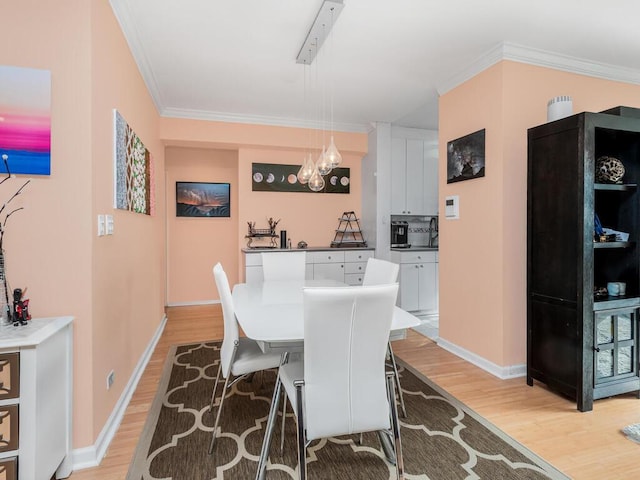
(134, 176)
(25, 120)
(197, 199)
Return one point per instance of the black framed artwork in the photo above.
(199, 199)
(274, 177)
(465, 157)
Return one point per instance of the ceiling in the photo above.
(388, 60)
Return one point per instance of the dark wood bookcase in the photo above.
(582, 345)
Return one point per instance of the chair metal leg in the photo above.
(271, 421)
(302, 443)
(395, 428)
(215, 426)
(397, 378)
(284, 416)
(215, 387)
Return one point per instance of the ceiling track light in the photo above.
(319, 30)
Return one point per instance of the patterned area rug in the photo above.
(632, 432)
(441, 437)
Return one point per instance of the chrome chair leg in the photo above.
(284, 416)
(302, 444)
(215, 388)
(215, 426)
(271, 420)
(395, 428)
(397, 378)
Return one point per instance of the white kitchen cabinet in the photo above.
(331, 263)
(407, 171)
(414, 175)
(418, 281)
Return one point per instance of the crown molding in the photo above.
(127, 25)
(193, 114)
(541, 58)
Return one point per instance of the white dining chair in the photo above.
(239, 356)
(284, 265)
(340, 387)
(380, 272)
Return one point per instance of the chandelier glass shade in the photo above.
(316, 182)
(332, 155)
(306, 170)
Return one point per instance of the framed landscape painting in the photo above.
(198, 199)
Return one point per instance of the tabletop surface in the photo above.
(273, 311)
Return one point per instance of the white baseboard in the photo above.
(504, 373)
(91, 456)
(195, 302)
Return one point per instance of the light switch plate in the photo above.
(109, 224)
(101, 226)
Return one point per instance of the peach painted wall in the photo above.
(483, 255)
(113, 286)
(308, 216)
(194, 245)
(128, 267)
(49, 244)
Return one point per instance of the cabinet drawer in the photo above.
(253, 259)
(355, 268)
(9, 376)
(359, 256)
(416, 257)
(9, 428)
(325, 257)
(353, 278)
(9, 468)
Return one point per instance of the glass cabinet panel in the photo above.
(615, 344)
(625, 360)
(604, 329)
(624, 326)
(604, 362)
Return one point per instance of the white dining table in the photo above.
(271, 313)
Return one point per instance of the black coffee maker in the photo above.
(400, 234)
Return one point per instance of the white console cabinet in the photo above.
(343, 265)
(36, 365)
(418, 281)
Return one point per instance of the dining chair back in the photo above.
(231, 330)
(284, 265)
(380, 272)
(340, 387)
(346, 330)
(239, 356)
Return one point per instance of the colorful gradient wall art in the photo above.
(25, 120)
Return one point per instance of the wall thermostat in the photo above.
(452, 207)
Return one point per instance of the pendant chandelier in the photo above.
(312, 172)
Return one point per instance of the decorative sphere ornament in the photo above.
(609, 170)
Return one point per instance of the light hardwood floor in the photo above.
(582, 445)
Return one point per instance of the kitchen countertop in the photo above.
(308, 249)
